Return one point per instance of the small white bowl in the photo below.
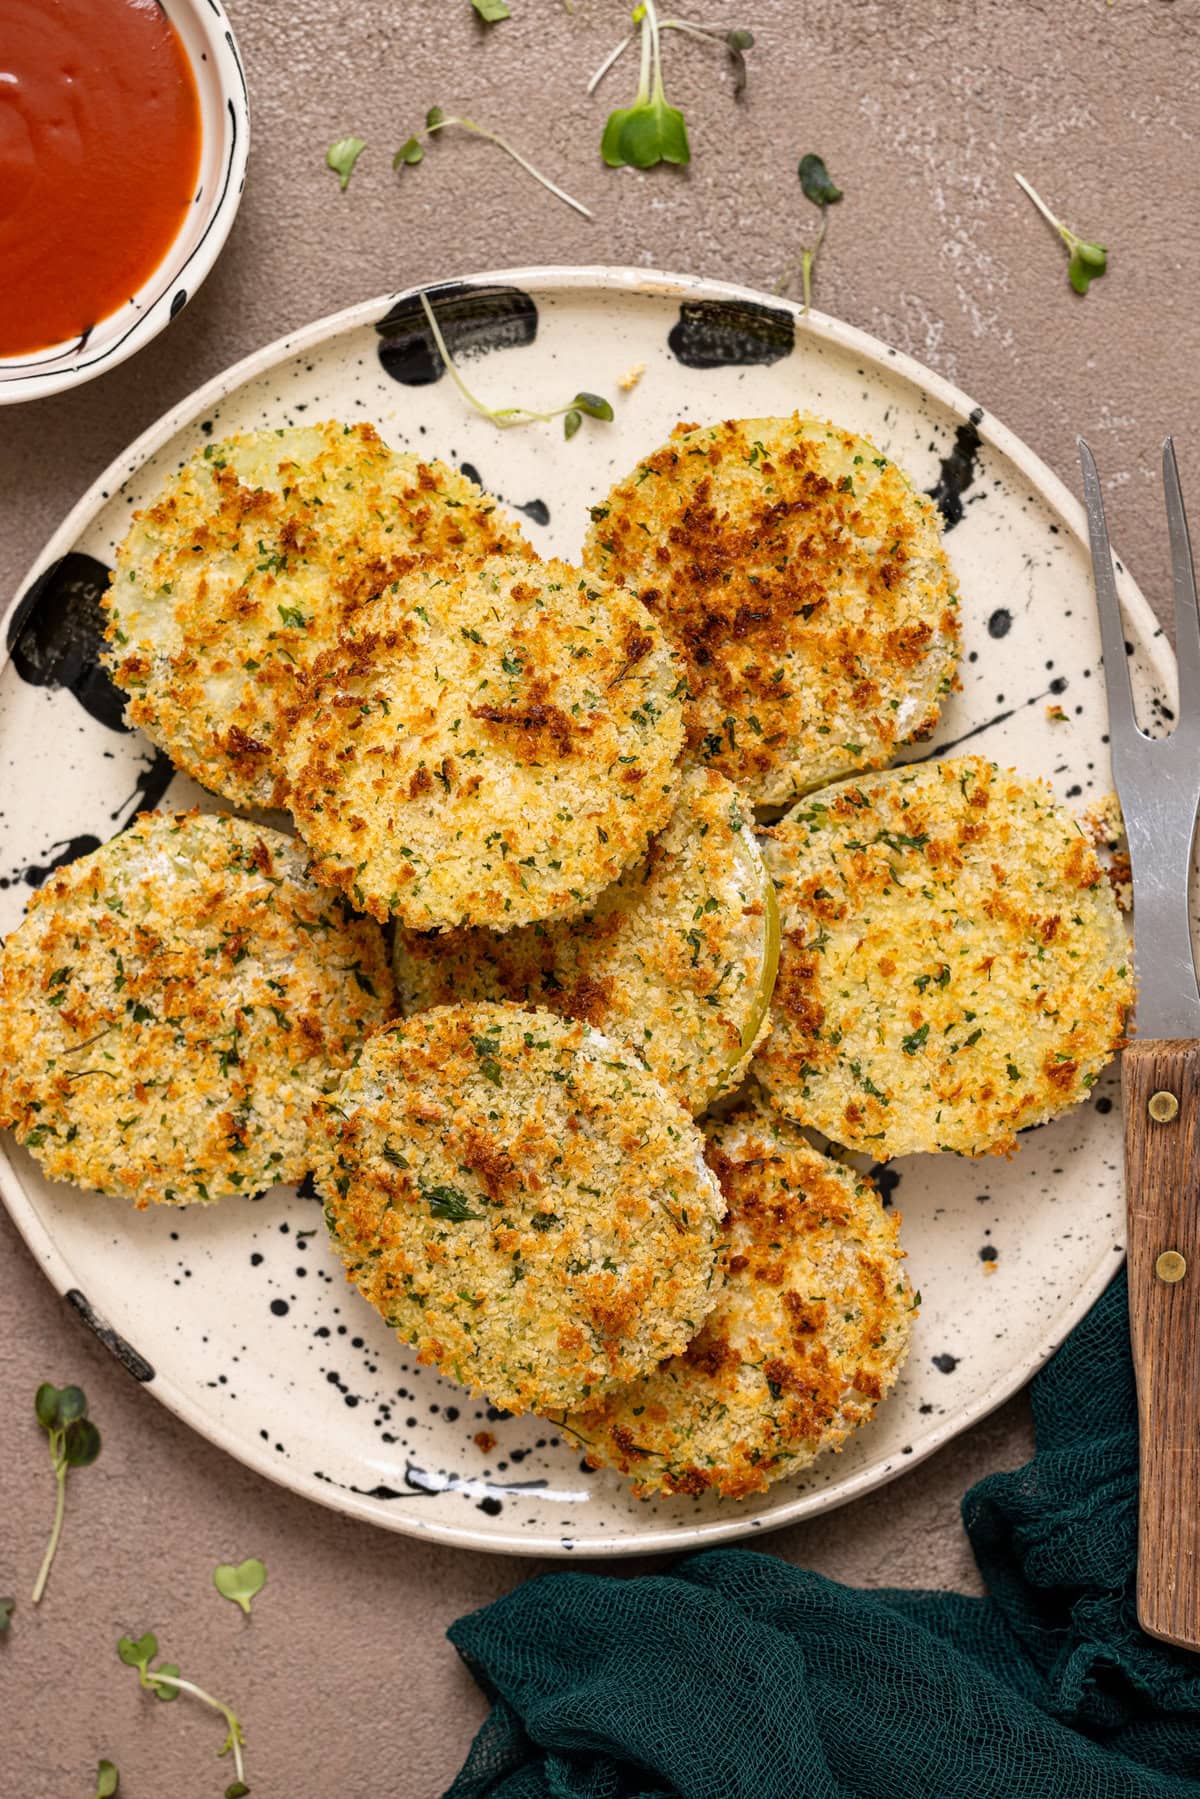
(224, 143)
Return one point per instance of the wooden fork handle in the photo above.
(1161, 1088)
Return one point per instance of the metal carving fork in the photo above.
(1158, 783)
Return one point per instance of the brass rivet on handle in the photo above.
(1162, 1107)
(1170, 1266)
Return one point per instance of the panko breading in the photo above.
(172, 1005)
(521, 1201)
(954, 967)
(246, 566)
(677, 958)
(491, 748)
(802, 579)
(806, 1337)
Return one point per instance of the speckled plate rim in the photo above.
(658, 284)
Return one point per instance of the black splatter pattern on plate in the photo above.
(959, 468)
(125, 1353)
(471, 320)
(716, 334)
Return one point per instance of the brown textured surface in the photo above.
(922, 112)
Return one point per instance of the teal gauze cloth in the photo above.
(738, 1676)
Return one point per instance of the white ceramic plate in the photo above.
(238, 1317)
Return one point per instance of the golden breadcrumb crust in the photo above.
(488, 748)
(807, 1335)
(802, 579)
(954, 966)
(171, 1006)
(677, 958)
(246, 566)
(521, 1201)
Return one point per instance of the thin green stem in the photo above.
(232, 1722)
(503, 416)
(501, 144)
(612, 58)
(1045, 211)
(643, 92)
(709, 34)
(60, 1475)
(804, 262)
(655, 51)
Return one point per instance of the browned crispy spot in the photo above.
(241, 746)
(589, 999)
(1060, 1074)
(708, 1354)
(538, 726)
(492, 1165)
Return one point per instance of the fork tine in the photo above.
(1122, 718)
(1187, 620)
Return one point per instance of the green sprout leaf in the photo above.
(7, 1607)
(491, 11)
(650, 131)
(240, 1583)
(1086, 261)
(138, 1652)
(166, 1683)
(342, 156)
(508, 416)
(237, 1789)
(166, 1671)
(45, 1404)
(737, 43)
(816, 181)
(74, 1443)
(411, 152)
(108, 1781)
(81, 1443)
(817, 185)
(593, 405)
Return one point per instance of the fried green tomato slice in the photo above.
(802, 579)
(521, 1201)
(172, 1004)
(807, 1335)
(677, 958)
(491, 748)
(954, 967)
(246, 566)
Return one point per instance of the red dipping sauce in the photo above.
(99, 156)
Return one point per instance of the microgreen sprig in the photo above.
(412, 151)
(74, 1443)
(572, 414)
(642, 124)
(342, 156)
(650, 131)
(1088, 261)
(108, 1780)
(491, 11)
(8, 1606)
(240, 1583)
(165, 1683)
(819, 187)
